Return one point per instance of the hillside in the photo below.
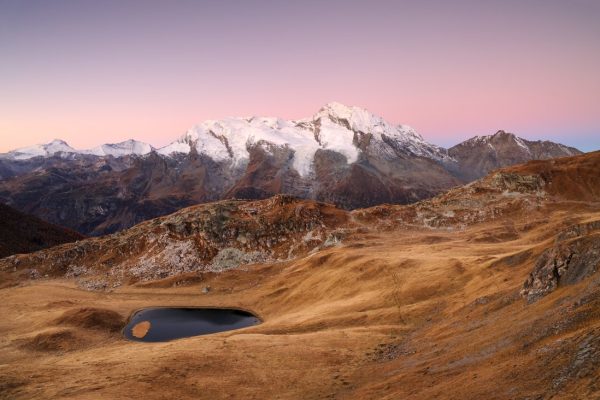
(21, 233)
(488, 291)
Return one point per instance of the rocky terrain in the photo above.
(231, 233)
(490, 290)
(341, 155)
(574, 256)
(205, 238)
(21, 233)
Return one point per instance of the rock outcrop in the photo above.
(206, 238)
(574, 256)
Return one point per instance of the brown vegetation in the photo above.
(22, 233)
(92, 318)
(415, 302)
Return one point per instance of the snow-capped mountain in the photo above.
(128, 147)
(335, 127)
(342, 155)
(358, 121)
(40, 150)
(62, 149)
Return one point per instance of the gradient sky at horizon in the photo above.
(93, 72)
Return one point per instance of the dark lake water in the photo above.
(163, 324)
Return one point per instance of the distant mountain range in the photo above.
(227, 234)
(62, 149)
(342, 155)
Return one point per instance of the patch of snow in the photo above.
(338, 138)
(204, 141)
(522, 145)
(128, 147)
(231, 138)
(566, 150)
(360, 120)
(175, 147)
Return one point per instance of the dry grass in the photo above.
(404, 313)
(414, 314)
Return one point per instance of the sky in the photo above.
(93, 72)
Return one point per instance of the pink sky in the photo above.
(91, 73)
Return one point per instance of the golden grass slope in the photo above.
(397, 310)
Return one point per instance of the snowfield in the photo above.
(334, 127)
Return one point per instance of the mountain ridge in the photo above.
(226, 234)
(482, 154)
(490, 290)
(342, 155)
(207, 141)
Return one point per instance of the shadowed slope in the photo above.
(22, 233)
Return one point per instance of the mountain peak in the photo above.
(503, 133)
(339, 111)
(58, 141)
(481, 154)
(336, 108)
